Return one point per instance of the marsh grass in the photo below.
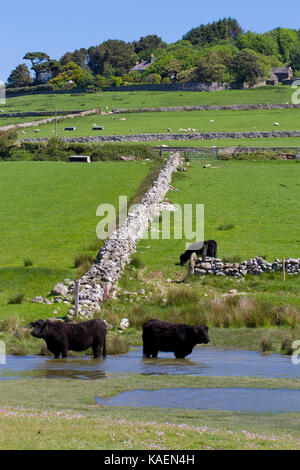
(180, 296)
(265, 343)
(116, 344)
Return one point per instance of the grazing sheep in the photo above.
(276, 123)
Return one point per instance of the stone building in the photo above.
(141, 66)
(279, 74)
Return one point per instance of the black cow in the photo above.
(171, 337)
(206, 248)
(60, 336)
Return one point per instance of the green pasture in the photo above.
(147, 123)
(136, 99)
(261, 200)
(63, 414)
(49, 216)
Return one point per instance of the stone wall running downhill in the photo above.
(116, 252)
(256, 265)
(47, 120)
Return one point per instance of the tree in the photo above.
(79, 57)
(263, 43)
(286, 39)
(215, 67)
(8, 141)
(225, 29)
(36, 59)
(172, 69)
(20, 76)
(295, 57)
(148, 43)
(112, 57)
(70, 73)
(246, 68)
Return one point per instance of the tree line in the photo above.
(219, 51)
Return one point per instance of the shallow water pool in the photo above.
(203, 361)
(233, 399)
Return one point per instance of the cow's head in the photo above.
(202, 334)
(38, 327)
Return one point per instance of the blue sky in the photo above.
(59, 26)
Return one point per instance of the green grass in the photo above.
(247, 195)
(133, 99)
(140, 123)
(63, 414)
(49, 215)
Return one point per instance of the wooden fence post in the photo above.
(283, 268)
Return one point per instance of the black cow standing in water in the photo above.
(60, 336)
(206, 248)
(171, 337)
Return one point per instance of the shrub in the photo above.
(83, 268)
(225, 227)
(28, 262)
(265, 343)
(136, 262)
(83, 258)
(17, 298)
(8, 324)
(8, 141)
(286, 345)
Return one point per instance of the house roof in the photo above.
(281, 69)
(143, 65)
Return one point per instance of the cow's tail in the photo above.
(104, 348)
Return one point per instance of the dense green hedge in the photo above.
(29, 89)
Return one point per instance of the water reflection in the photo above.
(203, 361)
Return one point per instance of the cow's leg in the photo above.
(104, 349)
(154, 353)
(64, 353)
(204, 252)
(146, 351)
(96, 350)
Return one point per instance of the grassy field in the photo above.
(49, 216)
(127, 99)
(56, 414)
(145, 123)
(259, 199)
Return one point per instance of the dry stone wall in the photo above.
(104, 275)
(256, 265)
(187, 136)
(231, 107)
